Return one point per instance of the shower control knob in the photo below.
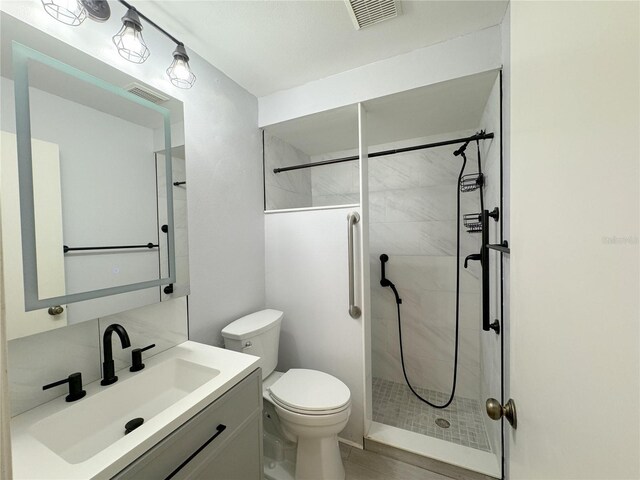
(496, 411)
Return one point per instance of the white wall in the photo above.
(462, 56)
(223, 156)
(575, 118)
(306, 264)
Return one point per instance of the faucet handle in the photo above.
(75, 386)
(136, 358)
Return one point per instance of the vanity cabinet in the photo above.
(223, 441)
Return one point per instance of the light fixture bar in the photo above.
(153, 24)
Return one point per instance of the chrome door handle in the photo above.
(352, 219)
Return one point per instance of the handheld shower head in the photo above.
(384, 282)
(384, 258)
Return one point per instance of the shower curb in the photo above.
(427, 463)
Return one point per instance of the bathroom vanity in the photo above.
(201, 407)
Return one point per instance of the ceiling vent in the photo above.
(369, 12)
(146, 93)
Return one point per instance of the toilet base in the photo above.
(318, 458)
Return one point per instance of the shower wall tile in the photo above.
(279, 198)
(331, 200)
(290, 189)
(412, 200)
(335, 179)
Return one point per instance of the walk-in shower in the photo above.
(422, 169)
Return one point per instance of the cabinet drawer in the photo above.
(230, 411)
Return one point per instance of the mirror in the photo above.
(87, 172)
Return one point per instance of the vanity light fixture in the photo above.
(128, 40)
(179, 71)
(74, 12)
(69, 12)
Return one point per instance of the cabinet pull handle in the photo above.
(219, 429)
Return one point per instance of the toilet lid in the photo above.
(310, 391)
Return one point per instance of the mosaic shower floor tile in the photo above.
(395, 405)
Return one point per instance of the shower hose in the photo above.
(398, 301)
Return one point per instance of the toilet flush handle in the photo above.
(247, 344)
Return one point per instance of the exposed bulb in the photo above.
(129, 41)
(179, 71)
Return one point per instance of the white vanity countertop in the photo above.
(34, 460)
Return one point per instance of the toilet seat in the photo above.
(310, 392)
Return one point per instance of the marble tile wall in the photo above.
(46, 357)
(285, 189)
(336, 184)
(413, 220)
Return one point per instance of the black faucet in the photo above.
(108, 367)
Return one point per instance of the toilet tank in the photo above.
(256, 334)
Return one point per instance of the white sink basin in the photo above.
(85, 439)
(77, 434)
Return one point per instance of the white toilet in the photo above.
(312, 406)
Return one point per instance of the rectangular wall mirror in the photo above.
(88, 187)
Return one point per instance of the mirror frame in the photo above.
(21, 55)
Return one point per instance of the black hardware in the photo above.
(500, 247)
(152, 23)
(495, 326)
(473, 256)
(131, 425)
(75, 387)
(177, 184)
(108, 366)
(471, 182)
(66, 249)
(219, 429)
(168, 290)
(384, 281)
(466, 140)
(136, 358)
(486, 214)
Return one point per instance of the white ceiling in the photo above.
(267, 46)
(445, 107)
